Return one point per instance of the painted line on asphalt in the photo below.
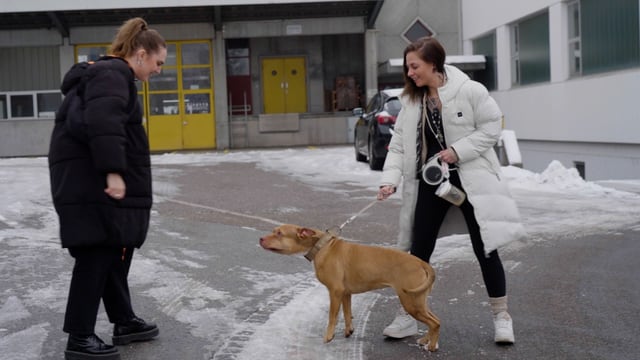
(228, 212)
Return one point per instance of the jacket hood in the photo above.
(81, 70)
(73, 77)
(455, 79)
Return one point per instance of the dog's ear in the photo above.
(305, 233)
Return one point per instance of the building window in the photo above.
(575, 54)
(3, 107)
(48, 103)
(238, 62)
(22, 106)
(609, 35)
(530, 55)
(486, 46)
(29, 104)
(90, 52)
(416, 30)
(580, 167)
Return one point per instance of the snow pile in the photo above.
(556, 178)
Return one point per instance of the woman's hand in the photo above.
(449, 156)
(116, 187)
(386, 191)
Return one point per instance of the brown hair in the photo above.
(429, 50)
(134, 34)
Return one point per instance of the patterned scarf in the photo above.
(421, 141)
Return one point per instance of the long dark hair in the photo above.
(429, 50)
(135, 34)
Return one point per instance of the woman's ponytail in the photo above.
(135, 34)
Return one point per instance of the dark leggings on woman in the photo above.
(429, 215)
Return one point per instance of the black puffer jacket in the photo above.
(116, 142)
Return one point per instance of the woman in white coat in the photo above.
(448, 117)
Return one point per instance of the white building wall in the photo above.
(599, 108)
(594, 119)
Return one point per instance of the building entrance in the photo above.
(178, 103)
(284, 85)
(180, 99)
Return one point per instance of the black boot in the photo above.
(89, 347)
(135, 329)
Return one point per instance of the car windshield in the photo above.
(392, 106)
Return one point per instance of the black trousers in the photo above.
(98, 273)
(429, 215)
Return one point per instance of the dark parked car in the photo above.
(374, 126)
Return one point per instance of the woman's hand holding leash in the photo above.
(386, 191)
(448, 155)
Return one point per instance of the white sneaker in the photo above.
(504, 328)
(402, 326)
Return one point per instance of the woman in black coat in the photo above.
(100, 174)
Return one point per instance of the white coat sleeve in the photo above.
(487, 119)
(393, 164)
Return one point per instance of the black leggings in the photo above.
(429, 215)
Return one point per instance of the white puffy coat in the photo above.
(472, 126)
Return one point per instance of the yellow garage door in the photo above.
(180, 112)
(178, 103)
(284, 85)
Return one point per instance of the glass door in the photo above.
(197, 95)
(180, 98)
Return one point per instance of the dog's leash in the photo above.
(334, 232)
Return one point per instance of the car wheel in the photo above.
(375, 163)
(359, 157)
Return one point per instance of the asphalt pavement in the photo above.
(571, 297)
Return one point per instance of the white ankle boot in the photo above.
(502, 321)
(402, 326)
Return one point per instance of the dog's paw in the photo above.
(328, 338)
(348, 332)
(428, 345)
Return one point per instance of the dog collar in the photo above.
(324, 240)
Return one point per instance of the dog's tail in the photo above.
(428, 283)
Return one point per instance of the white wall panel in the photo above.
(591, 109)
(481, 16)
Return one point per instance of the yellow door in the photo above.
(273, 85)
(165, 117)
(295, 85)
(180, 111)
(198, 129)
(197, 95)
(284, 85)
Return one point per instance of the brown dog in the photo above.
(346, 268)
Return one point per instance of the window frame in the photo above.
(417, 19)
(574, 38)
(530, 50)
(515, 55)
(37, 114)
